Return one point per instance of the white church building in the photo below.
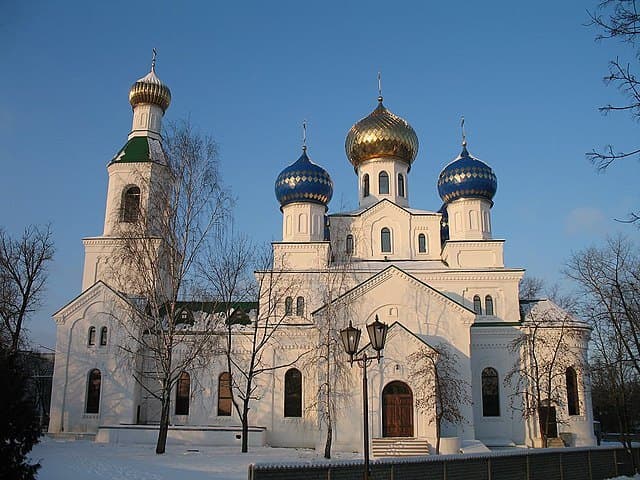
(436, 277)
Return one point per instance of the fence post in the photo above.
(528, 469)
(489, 468)
(561, 469)
(329, 473)
(590, 466)
(251, 471)
(444, 470)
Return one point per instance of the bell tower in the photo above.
(137, 178)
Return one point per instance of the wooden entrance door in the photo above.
(548, 421)
(397, 410)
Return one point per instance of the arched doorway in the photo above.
(548, 422)
(397, 410)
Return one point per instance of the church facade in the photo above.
(436, 278)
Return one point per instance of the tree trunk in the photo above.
(438, 436)
(245, 427)
(327, 445)
(164, 421)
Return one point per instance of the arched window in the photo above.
(293, 393)
(383, 183)
(400, 185)
(224, 395)
(103, 336)
(131, 205)
(300, 306)
(349, 244)
(488, 305)
(93, 391)
(477, 305)
(183, 393)
(288, 306)
(385, 240)
(422, 243)
(91, 340)
(184, 317)
(490, 393)
(572, 392)
(365, 185)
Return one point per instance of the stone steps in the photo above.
(555, 442)
(399, 447)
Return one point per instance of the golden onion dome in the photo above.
(381, 134)
(150, 89)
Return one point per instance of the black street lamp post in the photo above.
(350, 338)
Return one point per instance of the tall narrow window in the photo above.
(488, 305)
(183, 392)
(293, 393)
(477, 305)
(288, 306)
(224, 395)
(400, 185)
(490, 393)
(572, 392)
(131, 205)
(300, 306)
(422, 243)
(349, 244)
(93, 391)
(365, 185)
(385, 240)
(383, 183)
(91, 340)
(103, 336)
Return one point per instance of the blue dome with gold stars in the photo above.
(467, 177)
(304, 181)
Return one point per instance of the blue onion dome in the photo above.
(150, 89)
(467, 177)
(381, 134)
(304, 181)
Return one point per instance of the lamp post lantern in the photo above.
(350, 337)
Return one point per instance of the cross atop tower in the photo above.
(153, 60)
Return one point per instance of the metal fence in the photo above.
(544, 464)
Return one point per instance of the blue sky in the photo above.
(527, 76)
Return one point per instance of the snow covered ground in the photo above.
(85, 460)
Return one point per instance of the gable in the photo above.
(98, 290)
(410, 282)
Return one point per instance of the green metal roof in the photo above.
(141, 149)
(135, 150)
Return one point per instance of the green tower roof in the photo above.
(140, 149)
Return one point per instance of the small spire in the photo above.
(379, 87)
(464, 137)
(153, 61)
(304, 135)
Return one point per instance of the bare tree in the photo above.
(530, 288)
(327, 360)
(24, 266)
(615, 386)
(548, 345)
(618, 19)
(159, 247)
(609, 281)
(440, 389)
(248, 348)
